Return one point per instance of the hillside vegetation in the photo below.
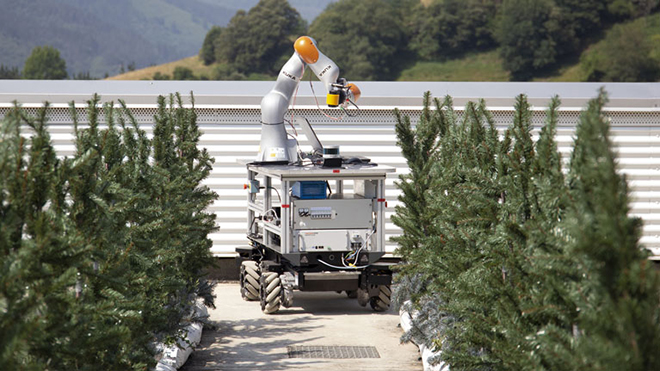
(608, 59)
(193, 63)
(471, 40)
(481, 66)
(628, 52)
(107, 37)
(484, 65)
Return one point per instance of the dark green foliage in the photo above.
(44, 63)
(626, 54)
(260, 41)
(103, 254)
(83, 76)
(181, 194)
(154, 33)
(224, 71)
(466, 204)
(39, 260)
(183, 73)
(207, 53)
(447, 28)
(583, 17)
(530, 36)
(419, 147)
(535, 36)
(365, 48)
(619, 318)
(117, 313)
(256, 41)
(9, 73)
(510, 265)
(626, 9)
(457, 213)
(160, 76)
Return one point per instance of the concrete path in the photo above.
(247, 339)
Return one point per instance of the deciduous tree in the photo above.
(447, 28)
(364, 48)
(44, 63)
(625, 55)
(207, 53)
(257, 40)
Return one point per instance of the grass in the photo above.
(566, 73)
(194, 63)
(484, 66)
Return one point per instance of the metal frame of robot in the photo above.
(275, 252)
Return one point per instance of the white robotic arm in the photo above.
(275, 146)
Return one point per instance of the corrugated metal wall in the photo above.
(232, 132)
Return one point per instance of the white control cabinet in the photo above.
(337, 221)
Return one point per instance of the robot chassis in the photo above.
(312, 237)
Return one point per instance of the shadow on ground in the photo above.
(247, 339)
(325, 303)
(216, 352)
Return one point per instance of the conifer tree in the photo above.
(459, 212)
(526, 270)
(509, 247)
(419, 146)
(102, 254)
(110, 319)
(523, 244)
(618, 297)
(471, 208)
(39, 252)
(182, 195)
(488, 207)
(547, 306)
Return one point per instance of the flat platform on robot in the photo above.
(319, 172)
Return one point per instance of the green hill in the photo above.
(625, 51)
(484, 66)
(604, 53)
(167, 69)
(100, 36)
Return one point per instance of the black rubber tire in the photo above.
(250, 280)
(381, 302)
(362, 297)
(287, 297)
(352, 294)
(271, 292)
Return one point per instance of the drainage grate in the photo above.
(332, 352)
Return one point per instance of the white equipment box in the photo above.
(331, 240)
